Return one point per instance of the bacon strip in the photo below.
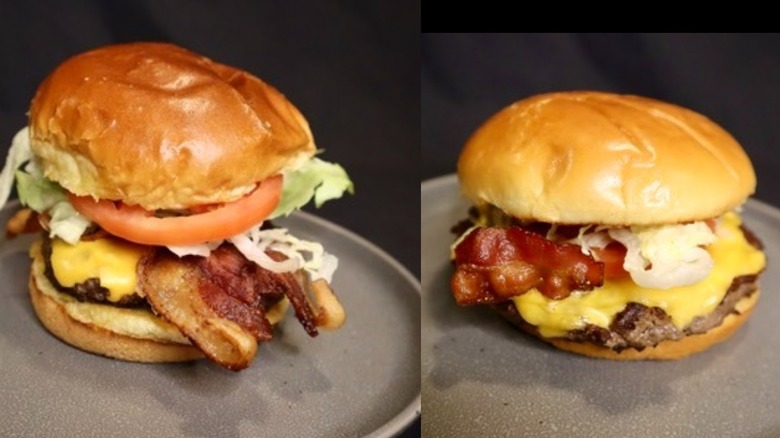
(252, 289)
(495, 264)
(220, 302)
(171, 286)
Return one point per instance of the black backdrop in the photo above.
(733, 79)
(350, 66)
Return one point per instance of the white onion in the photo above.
(598, 238)
(255, 252)
(253, 244)
(667, 256)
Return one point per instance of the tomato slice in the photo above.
(135, 224)
(612, 256)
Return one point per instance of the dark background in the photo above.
(734, 79)
(351, 67)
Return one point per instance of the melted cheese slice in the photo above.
(112, 261)
(733, 257)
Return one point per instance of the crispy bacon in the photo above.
(226, 272)
(172, 287)
(220, 302)
(495, 264)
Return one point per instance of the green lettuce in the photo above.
(37, 192)
(67, 223)
(316, 179)
(44, 195)
(18, 154)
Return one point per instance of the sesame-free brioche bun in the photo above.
(593, 157)
(155, 125)
(135, 335)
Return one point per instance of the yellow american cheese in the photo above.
(110, 260)
(732, 254)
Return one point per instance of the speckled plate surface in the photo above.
(363, 380)
(481, 377)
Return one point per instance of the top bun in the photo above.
(159, 126)
(591, 157)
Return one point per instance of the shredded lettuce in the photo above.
(589, 237)
(316, 179)
(18, 153)
(66, 223)
(37, 192)
(658, 257)
(44, 195)
(253, 244)
(666, 256)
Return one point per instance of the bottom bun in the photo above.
(666, 350)
(135, 335)
(96, 339)
(129, 334)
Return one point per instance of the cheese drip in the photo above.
(732, 255)
(111, 261)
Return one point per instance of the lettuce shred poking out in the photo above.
(310, 256)
(18, 154)
(316, 179)
(667, 256)
(253, 244)
(39, 193)
(658, 257)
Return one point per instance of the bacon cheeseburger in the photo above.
(154, 172)
(608, 225)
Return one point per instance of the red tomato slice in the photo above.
(135, 224)
(612, 256)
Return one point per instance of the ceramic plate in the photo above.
(363, 380)
(482, 377)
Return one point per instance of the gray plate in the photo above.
(481, 377)
(363, 380)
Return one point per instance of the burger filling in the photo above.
(97, 271)
(619, 287)
(219, 292)
(638, 326)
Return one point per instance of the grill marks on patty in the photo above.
(638, 326)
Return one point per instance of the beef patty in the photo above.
(638, 326)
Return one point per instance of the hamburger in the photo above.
(154, 174)
(608, 225)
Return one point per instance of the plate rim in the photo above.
(412, 411)
(406, 416)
